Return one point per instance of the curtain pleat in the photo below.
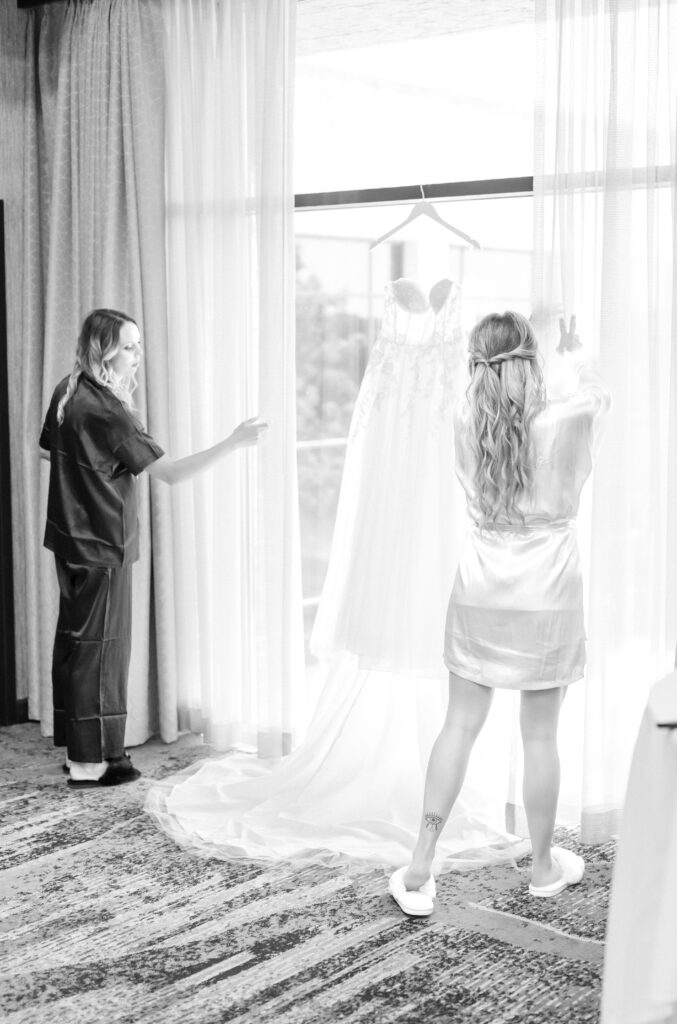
(35, 612)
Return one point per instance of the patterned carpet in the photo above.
(104, 919)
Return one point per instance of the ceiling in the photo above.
(343, 24)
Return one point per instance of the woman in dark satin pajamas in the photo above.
(97, 447)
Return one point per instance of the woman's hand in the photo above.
(248, 433)
(568, 340)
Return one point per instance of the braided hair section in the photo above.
(506, 391)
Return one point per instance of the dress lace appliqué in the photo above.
(419, 357)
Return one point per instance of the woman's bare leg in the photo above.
(539, 717)
(469, 705)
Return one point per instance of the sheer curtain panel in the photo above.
(232, 578)
(604, 192)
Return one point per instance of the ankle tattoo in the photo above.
(433, 821)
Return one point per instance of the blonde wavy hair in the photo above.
(506, 391)
(98, 344)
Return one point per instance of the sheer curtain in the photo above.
(605, 207)
(93, 235)
(228, 580)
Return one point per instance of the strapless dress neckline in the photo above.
(421, 302)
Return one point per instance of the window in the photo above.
(382, 117)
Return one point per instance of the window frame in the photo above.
(478, 189)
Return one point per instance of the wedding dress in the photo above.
(400, 514)
(353, 788)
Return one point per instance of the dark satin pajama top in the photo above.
(95, 455)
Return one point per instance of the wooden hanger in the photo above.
(425, 209)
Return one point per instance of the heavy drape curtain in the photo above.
(93, 235)
(605, 215)
(232, 574)
(193, 239)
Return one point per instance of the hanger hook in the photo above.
(422, 192)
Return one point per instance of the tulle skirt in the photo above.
(352, 792)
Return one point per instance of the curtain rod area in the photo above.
(486, 187)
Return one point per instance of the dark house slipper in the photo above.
(116, 774)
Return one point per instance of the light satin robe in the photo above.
(515, 617)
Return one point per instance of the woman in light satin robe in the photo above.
(515, 616)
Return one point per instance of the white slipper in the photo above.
(572, 867)
(416, 902)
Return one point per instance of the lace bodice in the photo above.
(419, 353)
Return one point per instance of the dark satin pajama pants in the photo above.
(91, 660)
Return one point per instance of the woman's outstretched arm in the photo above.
(175, 471)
